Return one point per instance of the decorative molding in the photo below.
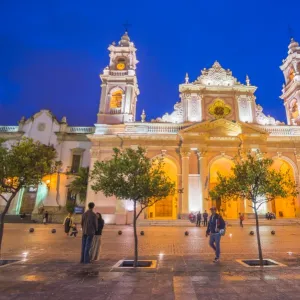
(9, 128)
(262, 119)
(175, 117)
(185, 153)
(216, 75)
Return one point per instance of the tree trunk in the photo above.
(258, 238)
(2, 216)
(135, 262)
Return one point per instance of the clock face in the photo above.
(121, 66)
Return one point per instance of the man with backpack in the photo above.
(215, 229)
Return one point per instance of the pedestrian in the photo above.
(95, 248)
(68, 223)
(89, 224)
(74, 230)
(241, 217)
(46, 216)
(198, 224)
(215, 229)
(205, 217)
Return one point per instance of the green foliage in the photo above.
(79, 185)
(255, 180)
(70, 207)
(24, 164)
(132, 175)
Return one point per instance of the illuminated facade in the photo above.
(215, 118)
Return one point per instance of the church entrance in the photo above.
(230, 209)
(283, 207)
(28, 200)
(167, 208)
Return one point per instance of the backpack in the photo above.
(222, 232)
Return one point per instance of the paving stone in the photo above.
(186, 270)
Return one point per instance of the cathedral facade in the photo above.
(216, 117)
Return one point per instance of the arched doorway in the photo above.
(166, 208)
(283, 207)
(223, 166)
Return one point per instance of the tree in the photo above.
(79, 185)
(22, 165)
(253, 179)
(132, 175)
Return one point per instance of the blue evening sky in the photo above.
(53, 51)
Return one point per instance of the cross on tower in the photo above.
(126, 26)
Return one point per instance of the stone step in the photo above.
(17, 219)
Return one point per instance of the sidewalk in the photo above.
(185, 270)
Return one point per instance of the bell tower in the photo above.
(291, 88)
(119, 88)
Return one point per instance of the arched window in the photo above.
(116, 99)
(294, 109)
(291, 74)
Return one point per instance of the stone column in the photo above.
(203, 178)
(185, 156)
(297, 179)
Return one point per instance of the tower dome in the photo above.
(125, 40)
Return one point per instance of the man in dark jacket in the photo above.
(198, 224)
(89, 224)
(215, 224)
(205, 217)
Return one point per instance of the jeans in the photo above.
(85, 248)
(214, 242)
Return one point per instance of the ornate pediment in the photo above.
(222, 127)
(216, 76)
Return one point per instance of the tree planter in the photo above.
(142, 264)
(4, 262)
(256, 263)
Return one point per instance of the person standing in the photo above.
(205, 217)
(89, 224)
(95, 248)
(68, 223)
(215, 224)
(46, 216)
(198, 224)
(241, 216)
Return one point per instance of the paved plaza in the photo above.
(184, 271)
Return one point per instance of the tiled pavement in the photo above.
(185, 269)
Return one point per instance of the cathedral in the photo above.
(215, 118)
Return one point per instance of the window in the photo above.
(116, 99)
(75, 163)
(71, 198)
(294, 109)
(291, 74)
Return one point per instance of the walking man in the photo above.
(215, 225)
(198, 224)
(241, 216)
(205, 217)
(89, 224)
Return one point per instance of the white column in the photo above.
(203, 178)
(185, 155)
(297, 201)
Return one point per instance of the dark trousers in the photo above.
(241, 223)
(198, 222)
(205, 222)
(85, 248)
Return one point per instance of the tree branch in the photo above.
(3, 198)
